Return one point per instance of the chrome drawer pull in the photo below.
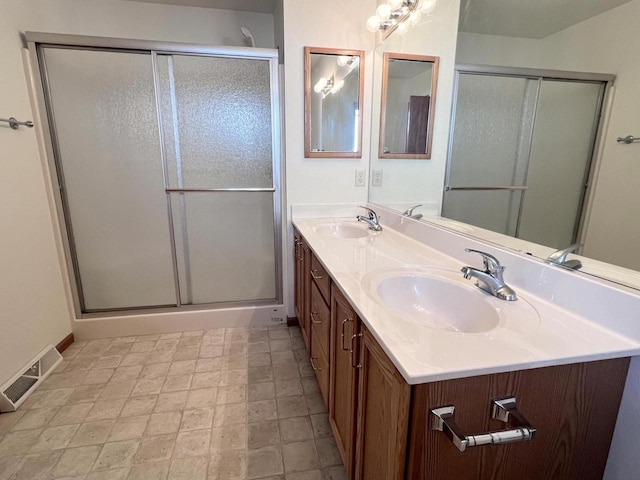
(342, 334)
(313, 318)
(313, 365)
(351, 350)
(505, 410)
(314, 274)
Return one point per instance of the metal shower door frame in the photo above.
(39, 83)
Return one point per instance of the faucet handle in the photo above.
(372, 214)
(491, 263)
(560, 256)
(409, 211)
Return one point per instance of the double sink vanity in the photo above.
(426, 375)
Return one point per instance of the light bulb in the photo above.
(343, 60)
(373, 24)
(415, 17)
(402, 28)
(394, 4)
(428, 6)
(383, 12)
(320, 85)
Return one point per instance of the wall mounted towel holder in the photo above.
(13, 123)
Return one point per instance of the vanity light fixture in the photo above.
(395, 13)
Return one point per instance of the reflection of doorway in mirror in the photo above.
(338, 118)
(407, 80)
(521, 151)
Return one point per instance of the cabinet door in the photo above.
(345, 327)
(297, 262)
(305, 262)
(302, 281)
(383, 415)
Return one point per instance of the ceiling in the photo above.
(528, 18)
(258, 6)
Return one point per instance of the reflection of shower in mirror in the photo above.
(248, 35)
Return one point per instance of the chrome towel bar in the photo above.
(505, 410)
(628, 139)
(13, 123)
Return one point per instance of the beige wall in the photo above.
(411, 182)
(331, 24)
(34, 310)
(605, 44)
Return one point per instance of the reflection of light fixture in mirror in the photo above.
(394, 13)
(347, 61)
(320, 84)
(326, 87)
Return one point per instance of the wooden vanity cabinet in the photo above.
(382, 417)
(345, 330)
(382, 425)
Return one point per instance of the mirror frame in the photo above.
(387, 57)
(307, 100)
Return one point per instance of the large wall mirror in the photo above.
(333, 102)
(534, 162)
(408, 105)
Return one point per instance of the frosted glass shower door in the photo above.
(491, 138)
(521, 153)
(563, 139)
(219, 152)
(103, 112)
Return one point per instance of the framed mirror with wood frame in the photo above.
(409, 84)
(333, 99)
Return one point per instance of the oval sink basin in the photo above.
(438, 302)
(442, 299)
(342, 230)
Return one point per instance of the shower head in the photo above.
(247, 34)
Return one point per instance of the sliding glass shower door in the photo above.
(217, 132)
(103, 110)
(520, 155)
(167, 164)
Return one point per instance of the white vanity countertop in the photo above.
(424, 354)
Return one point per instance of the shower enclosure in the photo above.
(520, 151)
(167, 159)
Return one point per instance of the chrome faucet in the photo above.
(490, 279)
(559, 257)
(409, 212)
(371, 220)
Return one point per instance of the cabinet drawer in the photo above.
(320, 317)
(321, 278)
(320, 364)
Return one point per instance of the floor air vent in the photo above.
(18, 388)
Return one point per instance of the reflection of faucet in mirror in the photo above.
(559, 257)
(372, 220)
(409, 212)
(490, 279)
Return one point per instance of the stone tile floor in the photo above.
(228, 404)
